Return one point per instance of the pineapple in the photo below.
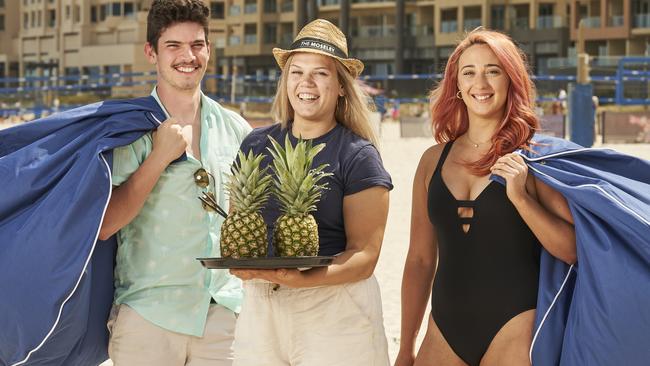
(243, 234)
(297, 189)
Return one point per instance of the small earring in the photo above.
(458, 95)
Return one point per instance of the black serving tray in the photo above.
(266, 263)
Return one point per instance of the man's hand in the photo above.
(168, 141)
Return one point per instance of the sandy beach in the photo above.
(401, 156)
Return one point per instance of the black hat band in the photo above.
(317, 44)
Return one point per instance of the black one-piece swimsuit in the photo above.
(486, 276)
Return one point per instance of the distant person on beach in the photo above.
(479, 239)
(168, 309)
(326, 315)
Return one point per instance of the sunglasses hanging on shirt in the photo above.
(207, 198)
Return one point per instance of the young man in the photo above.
(168, 310)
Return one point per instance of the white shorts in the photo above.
(330, 326)
(136, 341)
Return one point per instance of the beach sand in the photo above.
(401, 156)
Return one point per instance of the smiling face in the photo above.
(182, 56)
(313, 87)
(483, 83)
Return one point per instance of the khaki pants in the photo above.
(137, 342)
(329, 326)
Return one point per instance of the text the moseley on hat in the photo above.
(322, 37)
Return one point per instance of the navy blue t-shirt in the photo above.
(355, 164)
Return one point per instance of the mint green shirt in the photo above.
(156, 271)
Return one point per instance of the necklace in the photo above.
(473, 143)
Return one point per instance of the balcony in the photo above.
(234, 40)
(376, 31)
(561, 62)
(250, 8)
(287, 7)
(234, 10)
(520, 23)
(250, 38)
(549, 21)
(286, 39)
(641, 21)
(449, 26)
(591, 22)
(471, 24)
(330, 2)
(615, 21)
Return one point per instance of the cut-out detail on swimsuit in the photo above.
(486, 275)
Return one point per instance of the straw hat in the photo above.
(322, 37)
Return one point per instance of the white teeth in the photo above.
(482, 97)
(185, 69)
(307, 96)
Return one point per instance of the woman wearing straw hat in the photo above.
(323, 316)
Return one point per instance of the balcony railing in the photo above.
(470, 24)
(286, 38)
(250, 8)
(615, 21)
(561, 62)
(421, 30)
(549, 21)
(234, 40)
(287, 6)
(591, 22)
(330, 2)
(250, 38)
(520, 23)
(642, 21)
(449, 26)
(376, 30)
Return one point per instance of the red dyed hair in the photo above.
(450, 119)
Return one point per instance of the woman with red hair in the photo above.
(481, 240)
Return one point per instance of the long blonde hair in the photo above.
(352, 110)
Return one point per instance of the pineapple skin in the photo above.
(296, 236)
(243, 235)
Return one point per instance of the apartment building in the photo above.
(539, 26)
(9, 28)
(93, 37)
(612, 28)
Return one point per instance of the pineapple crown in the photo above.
(248, 186)
(296, 183)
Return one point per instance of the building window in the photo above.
(2, 22)
(129, 10)
(51, 22)
(77, 14)
(270, 6)
(287, 6)
(67, 12)
(25, 20)
(2, 3)
(217, 10)
(449, 22)
(270, 33)
(93, 14)
(497, 20)
(117, 10)
(250, 7)
(250, 33)
(104, 12)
